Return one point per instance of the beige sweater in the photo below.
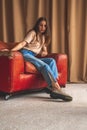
(35, 44)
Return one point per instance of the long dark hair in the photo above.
(36, 27)
(46, 33)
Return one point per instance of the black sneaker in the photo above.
(60, 95)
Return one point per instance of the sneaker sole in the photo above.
(60, 96)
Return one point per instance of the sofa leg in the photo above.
(62, 86)
(7, 96)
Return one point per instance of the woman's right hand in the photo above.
(5, 50)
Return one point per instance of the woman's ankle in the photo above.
(56, 86)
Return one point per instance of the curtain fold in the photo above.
(77, 43)
(68, 25)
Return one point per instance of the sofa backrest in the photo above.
(7, 45)
(3, 45)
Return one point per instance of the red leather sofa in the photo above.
(16, 74)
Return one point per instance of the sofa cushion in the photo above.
(3, 45)
(30, 68)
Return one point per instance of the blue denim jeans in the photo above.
(46, 66)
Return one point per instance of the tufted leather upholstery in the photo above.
(16, 74)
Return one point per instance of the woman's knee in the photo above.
(52, 60)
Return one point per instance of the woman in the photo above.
(36, 42)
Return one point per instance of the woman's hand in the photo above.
(44, 53)
(4, 50)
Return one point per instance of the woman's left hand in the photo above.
(44, 53)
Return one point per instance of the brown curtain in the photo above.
(67, 22)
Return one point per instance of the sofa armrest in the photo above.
(3, 45)
(11, 66)
(15, 60)
(18, 62)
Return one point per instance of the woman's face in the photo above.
(42, 26)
